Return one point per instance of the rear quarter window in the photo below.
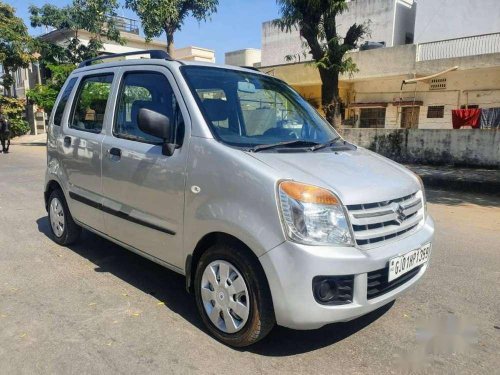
(63, 101)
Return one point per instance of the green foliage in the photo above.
(94, 92)
(95, 16)
(12, 107)
(15, 43)
(14, 110)
(158, 16)
(18, 127)
(44, 96)
(316, 22)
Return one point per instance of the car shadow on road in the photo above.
(169, 287)
(283, 342)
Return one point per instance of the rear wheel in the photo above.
(233, 297)
(64, 229)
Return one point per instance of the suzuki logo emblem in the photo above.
(400, 211)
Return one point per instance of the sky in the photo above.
(236, 25)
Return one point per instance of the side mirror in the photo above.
(157, 125)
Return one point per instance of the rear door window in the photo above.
(90, 103)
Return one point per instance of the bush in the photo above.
(44, 96)
(18, 127)
(14, 109)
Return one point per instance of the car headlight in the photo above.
(424, 198)
(313, 215)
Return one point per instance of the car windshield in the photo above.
(250, 110)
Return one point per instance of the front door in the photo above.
(80, 143)
(409, 117)
(143, 189)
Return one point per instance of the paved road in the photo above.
(96, 308)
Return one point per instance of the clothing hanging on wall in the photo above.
(490, 118)
(465, 117)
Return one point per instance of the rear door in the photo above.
(80, 145)
(143, 189)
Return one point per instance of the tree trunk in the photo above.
(330, 100)
(170, 43)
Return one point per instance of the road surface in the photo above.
(97, 308)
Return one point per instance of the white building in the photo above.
(450, 19)
(243, 57)
(391, 22)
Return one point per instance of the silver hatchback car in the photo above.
(229, 177)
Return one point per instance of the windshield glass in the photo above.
(246, 109)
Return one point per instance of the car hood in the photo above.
(356, 176)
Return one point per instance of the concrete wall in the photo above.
(446, 19)
(383, 62)
(379, 14)
(277, 44)
(474, 148)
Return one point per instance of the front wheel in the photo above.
(233, 297)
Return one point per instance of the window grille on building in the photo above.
(372, 118)
(435, 111)
(438, 84)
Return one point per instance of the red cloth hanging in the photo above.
(466, 117)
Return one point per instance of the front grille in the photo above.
(378, 284)
(374, 223)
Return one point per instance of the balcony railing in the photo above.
(459, 47)
(127, 24)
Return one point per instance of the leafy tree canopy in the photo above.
(158, 16)
(317, 24)
(15, 43)
(94, 16)
(44, 96)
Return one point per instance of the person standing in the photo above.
(4, 131)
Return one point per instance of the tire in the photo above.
(62, 226)
(260, 318)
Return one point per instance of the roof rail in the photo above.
(153, 54)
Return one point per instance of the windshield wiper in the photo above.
(331, 142)
(294, 143)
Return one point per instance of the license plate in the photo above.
(402, 264)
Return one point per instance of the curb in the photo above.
(470, 186)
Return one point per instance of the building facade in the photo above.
(402, 85)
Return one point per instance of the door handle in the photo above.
(115, 152)
(67, 141)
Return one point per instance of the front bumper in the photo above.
(290, 269)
